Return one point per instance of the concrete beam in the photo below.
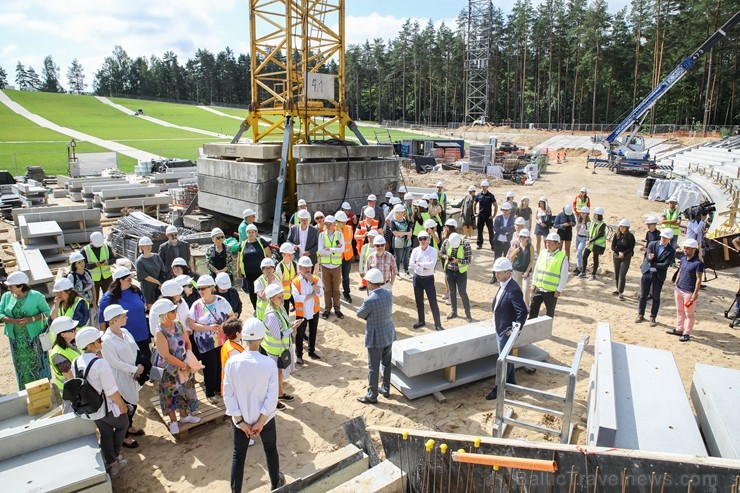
(602, 418)
(234, 207)
(43, 433)
(126, 192)
(160, 199)
(321, 172)
(251, 172)
(438, 350)
(386, 477)
(716, 397)
(255, 192)
(261, 151)
(318, 151)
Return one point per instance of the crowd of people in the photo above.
(175, 322)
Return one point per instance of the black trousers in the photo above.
(268, 435)
(650, 284)
(130, 416)
(312, 326)
(500, 248)
(422, 285)
(597, 252)
(248, 287)
(486, 221)
(112, 432)
(212, 371)
(546, 297)
(458, 283)
(346, 268)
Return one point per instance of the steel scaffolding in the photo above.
(477, 54)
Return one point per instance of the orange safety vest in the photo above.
(347, 232)
(299, 305)
(225, 351)
(362, 229)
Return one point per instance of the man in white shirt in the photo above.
(331, 248)
(423, 259)
(307, 290)
(251, 397)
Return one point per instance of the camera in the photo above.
(706, 208)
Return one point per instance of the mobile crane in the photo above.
(630, 156)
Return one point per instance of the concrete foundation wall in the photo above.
(257, 193)
(234, 207)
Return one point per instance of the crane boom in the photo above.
(672, 78)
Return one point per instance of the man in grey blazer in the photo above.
(304, 236)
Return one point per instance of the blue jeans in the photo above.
(402, 258)
(239, 456)
(378, 360)
(502, 340)
(580, 246)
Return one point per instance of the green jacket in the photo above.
(33, 304)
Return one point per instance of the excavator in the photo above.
(629, 155)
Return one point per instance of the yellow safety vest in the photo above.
(272, 346)
(418, 228)
(580, 203)
(102, 272)
(593, 230)
(262, 305)
(460, 254)
(286, 274)
(442, 199)
(71, 310)
(69, 353)
(334, 258)
(671, 216)
(547, 270)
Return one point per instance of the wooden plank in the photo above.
(206, 411)
(451, 373)
(439, 397)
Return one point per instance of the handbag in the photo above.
(286, 358)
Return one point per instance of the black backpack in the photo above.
(83, 396)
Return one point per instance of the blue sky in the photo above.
(89, 29)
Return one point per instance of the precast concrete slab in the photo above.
(261, 151)
(386, 477)
(92, 189)
(438, 350)
(43, 433)
(126, 192)
(234, 207)
(43, 228)
(652, 409)
(602, 418)
(250, 172)
(472, 371)
(715, 393)
(318, 151)
(255, 192)
(323, 171)
(159, 199)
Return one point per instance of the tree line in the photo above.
(563, 62)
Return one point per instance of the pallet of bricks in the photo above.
(185, 193)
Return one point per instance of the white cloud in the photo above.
(359, 29)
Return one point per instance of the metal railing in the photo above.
(565, 401)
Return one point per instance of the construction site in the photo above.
(601, 403)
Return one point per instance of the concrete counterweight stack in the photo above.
(234, 177)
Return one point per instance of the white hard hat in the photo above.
(75, 257)
(120, 273)
(395, 200)
(179, 262)
(455, 240)
(585, 210)
(253, 329)
(305, 262)
(543, 199)
(112, 311)
(524, 233)
(273, 290)
(502, 265)
(172, 288)
(318, 214)
(205, 281)
(430, 223)
(422, 203)
(96, 239)
(471, 188)
(287, 247)
(171, 230)
(267, 262)
(667, 233)
(374, 276)
(145, 241)
(369, 212)
(429, 196)
(506, 206)
(520, 220)
(63, 324)
(440, 184)
(690, 243)
(599, 211)
(184, 280)
(625, 222)
(408, 196)
(568, 209)
(304, 214)
(402, 189)
(509, 194)
(86, 336)
(217, 231)
(62, 284)
(251, 227)
(162, 306)
(584, 189)
(16, 278)
(223, 281)
(341, 217)
(379, 240)
(372, 198)
(301, 202)
(484, 183)
(373, 232)
(673, 199)
(248, 212)
(553, 237)
(399, 209)
(388, 195)
(651, 220)
(423, 234)
(346, 206)
(330, 219)
(451, 222)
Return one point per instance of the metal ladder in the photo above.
(565, 401)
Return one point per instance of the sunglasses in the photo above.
(424, 239)
(205, 288)
(172, 235)
(218, 238)
(379, 246)
(126, 278)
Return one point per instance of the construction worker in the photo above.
(582, 200)
(98, 259)
(307, 291)
(550, 276)
(249, 218)
(286, 271)
(367, 223)
(331, 250)
(348, 255)
(596, 242)
(671, 218)
(442, 200)
(294, 219)
(420, 216)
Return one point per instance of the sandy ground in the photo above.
(325, 390)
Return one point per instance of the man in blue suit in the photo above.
(508, 308)
(659, 256)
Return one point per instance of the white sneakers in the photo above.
(117, 466)
(190, 419)
(174, 428)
